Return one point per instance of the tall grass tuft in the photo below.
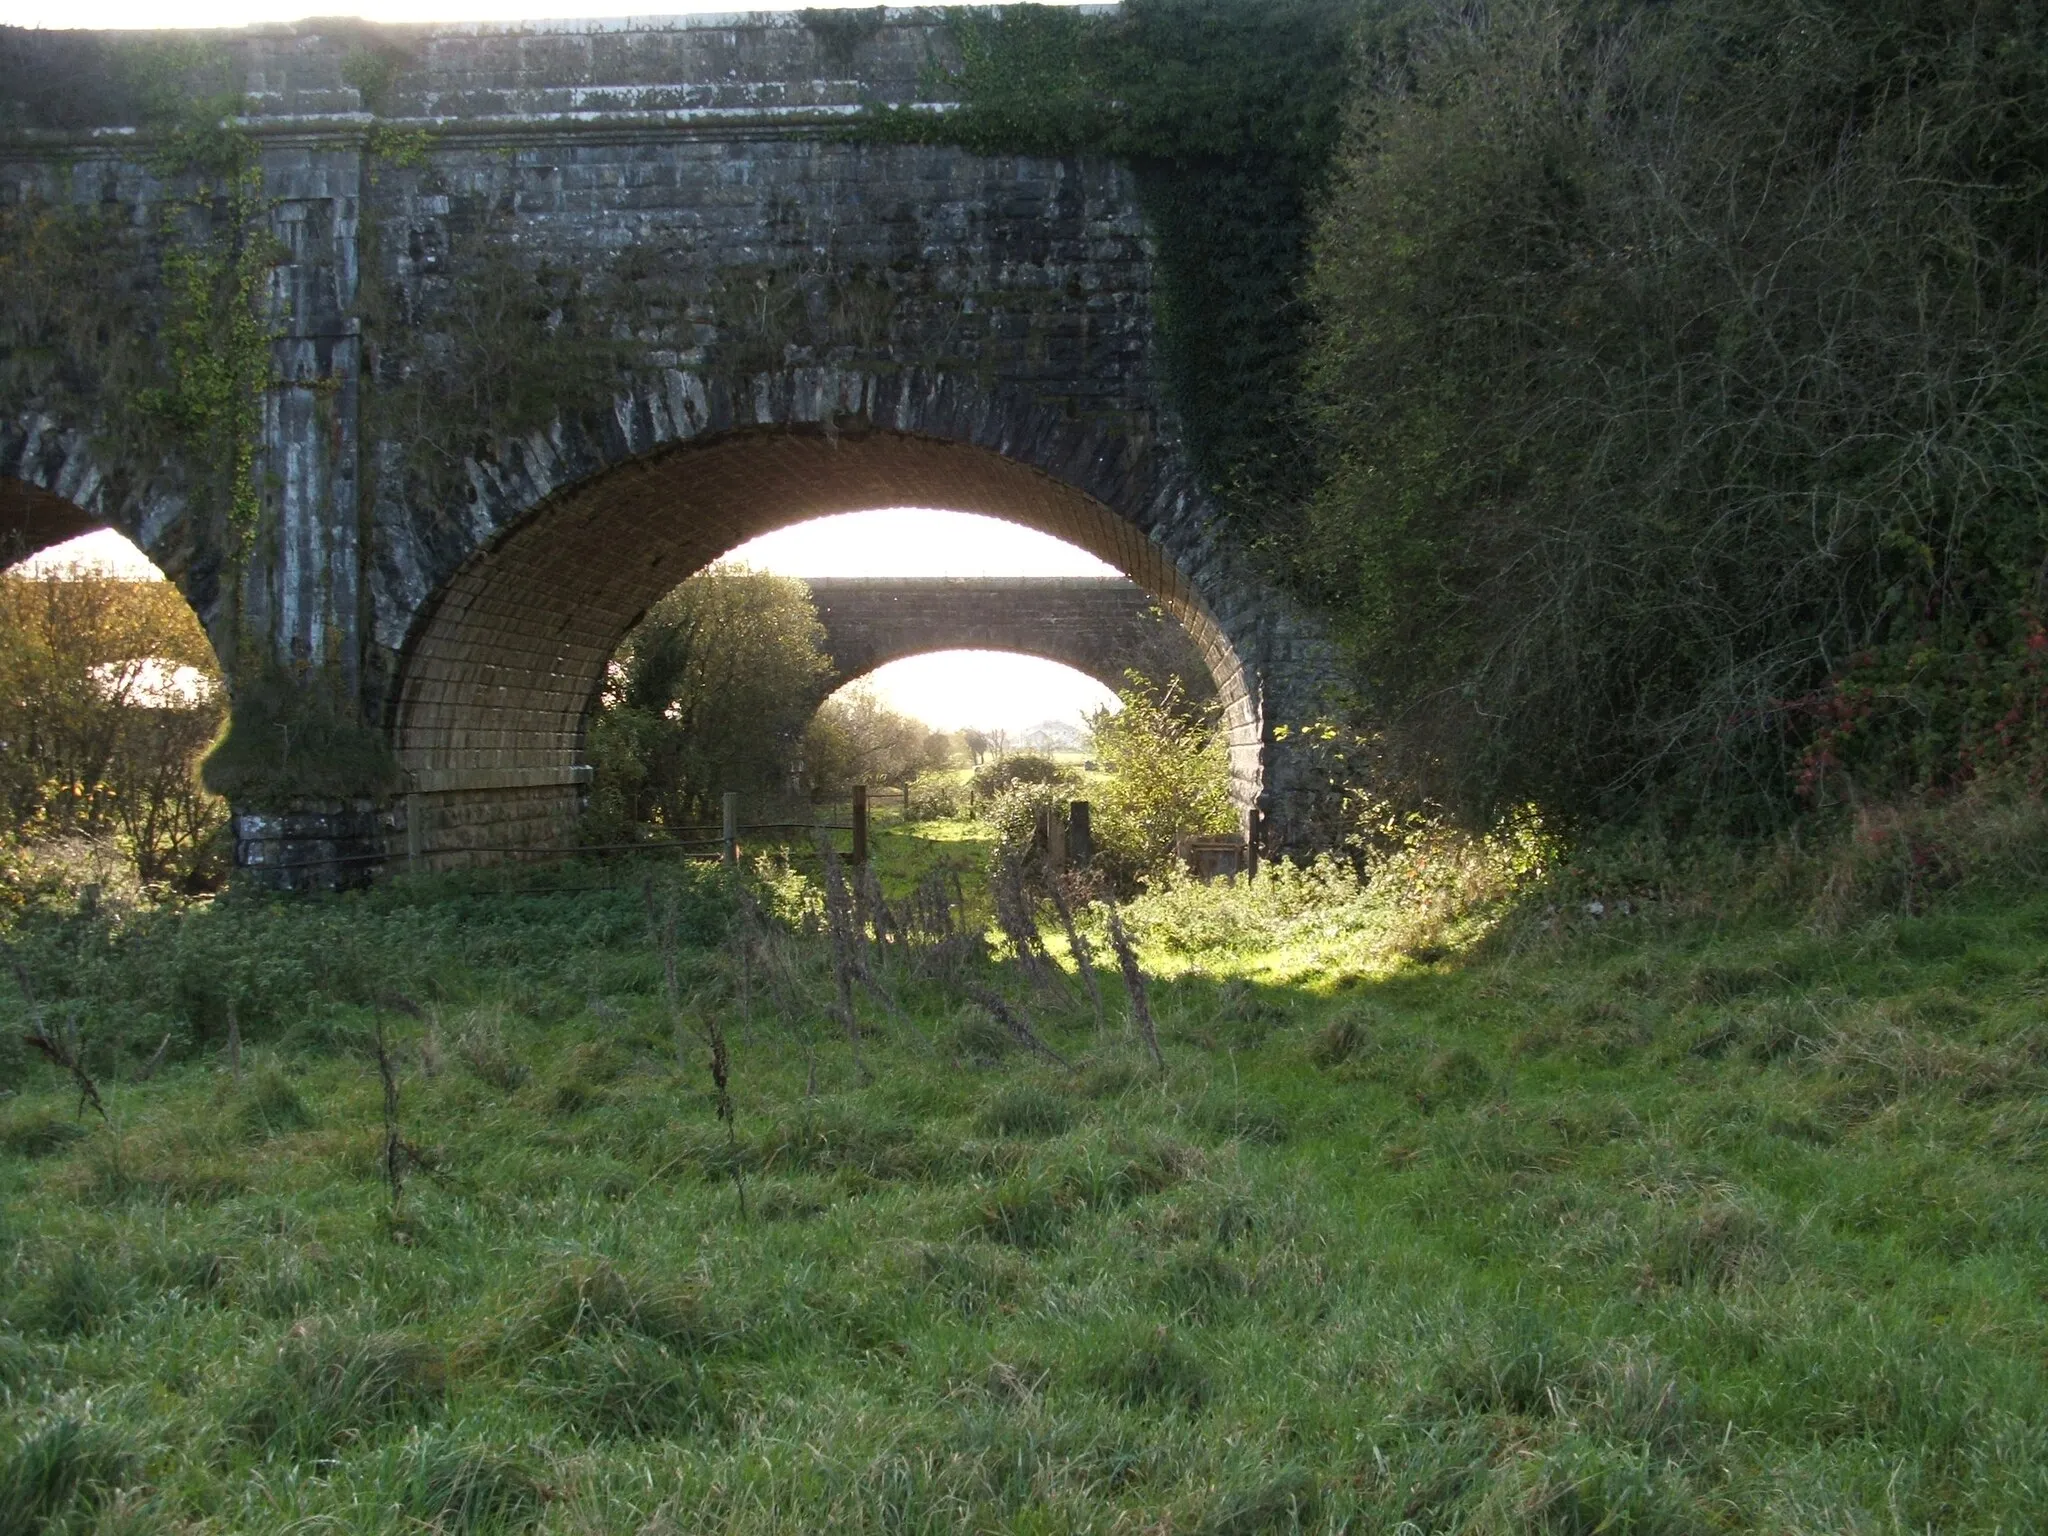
(469, 1490)
(67, 1468)
(329, 1385)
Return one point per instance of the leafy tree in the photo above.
(1166, 775)
(109, 693)
(711, 692)
(856, 739)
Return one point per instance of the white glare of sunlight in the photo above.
(120, 14)
(915, 541)
(989, 691)
(102, 552)
(152, 682)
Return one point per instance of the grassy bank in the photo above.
(1668, 1219)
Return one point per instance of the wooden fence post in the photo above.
(1080, 834)
(860, 823)
(732, 827)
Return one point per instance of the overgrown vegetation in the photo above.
(154, 340)
(712, 691)
(1165, 775)
(1678, 370)
(1229, 110)
(1717, 1210)
(296, 735)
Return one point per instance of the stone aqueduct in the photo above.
(578, 309)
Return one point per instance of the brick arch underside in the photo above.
(496, 686)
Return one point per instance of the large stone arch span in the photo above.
(499, 672)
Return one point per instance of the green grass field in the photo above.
(1659, 1223)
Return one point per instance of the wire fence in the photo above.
(410, 847)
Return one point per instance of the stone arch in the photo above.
(53, 488)
(1100, 627)
(505, 657)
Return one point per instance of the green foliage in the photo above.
(710, 692)
(1678, 371)
(1166, 775)
(183, 367)
(101, 743)
(1229, 111)
(70, 1466)
(297, 735)
(1032, 768)
(856, 739)
(1011, 791)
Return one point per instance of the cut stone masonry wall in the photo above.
(569, 310)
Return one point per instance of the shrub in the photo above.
(992, 779)
(1166, 775)
(1677, 376)
(934, 797)
(1012, 815)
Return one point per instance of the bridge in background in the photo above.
(1101, 626)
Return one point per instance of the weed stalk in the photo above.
(1084, 954)
(1134, 984)
(59, 1047)
(839, 919)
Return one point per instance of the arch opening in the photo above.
(1010, 691)
(497, 679)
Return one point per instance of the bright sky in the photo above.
(952, 690)
(990, 690)
(242, 13)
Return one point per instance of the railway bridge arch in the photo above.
(553, 315)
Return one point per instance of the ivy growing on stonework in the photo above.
(1230, 113)
(179, 365)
